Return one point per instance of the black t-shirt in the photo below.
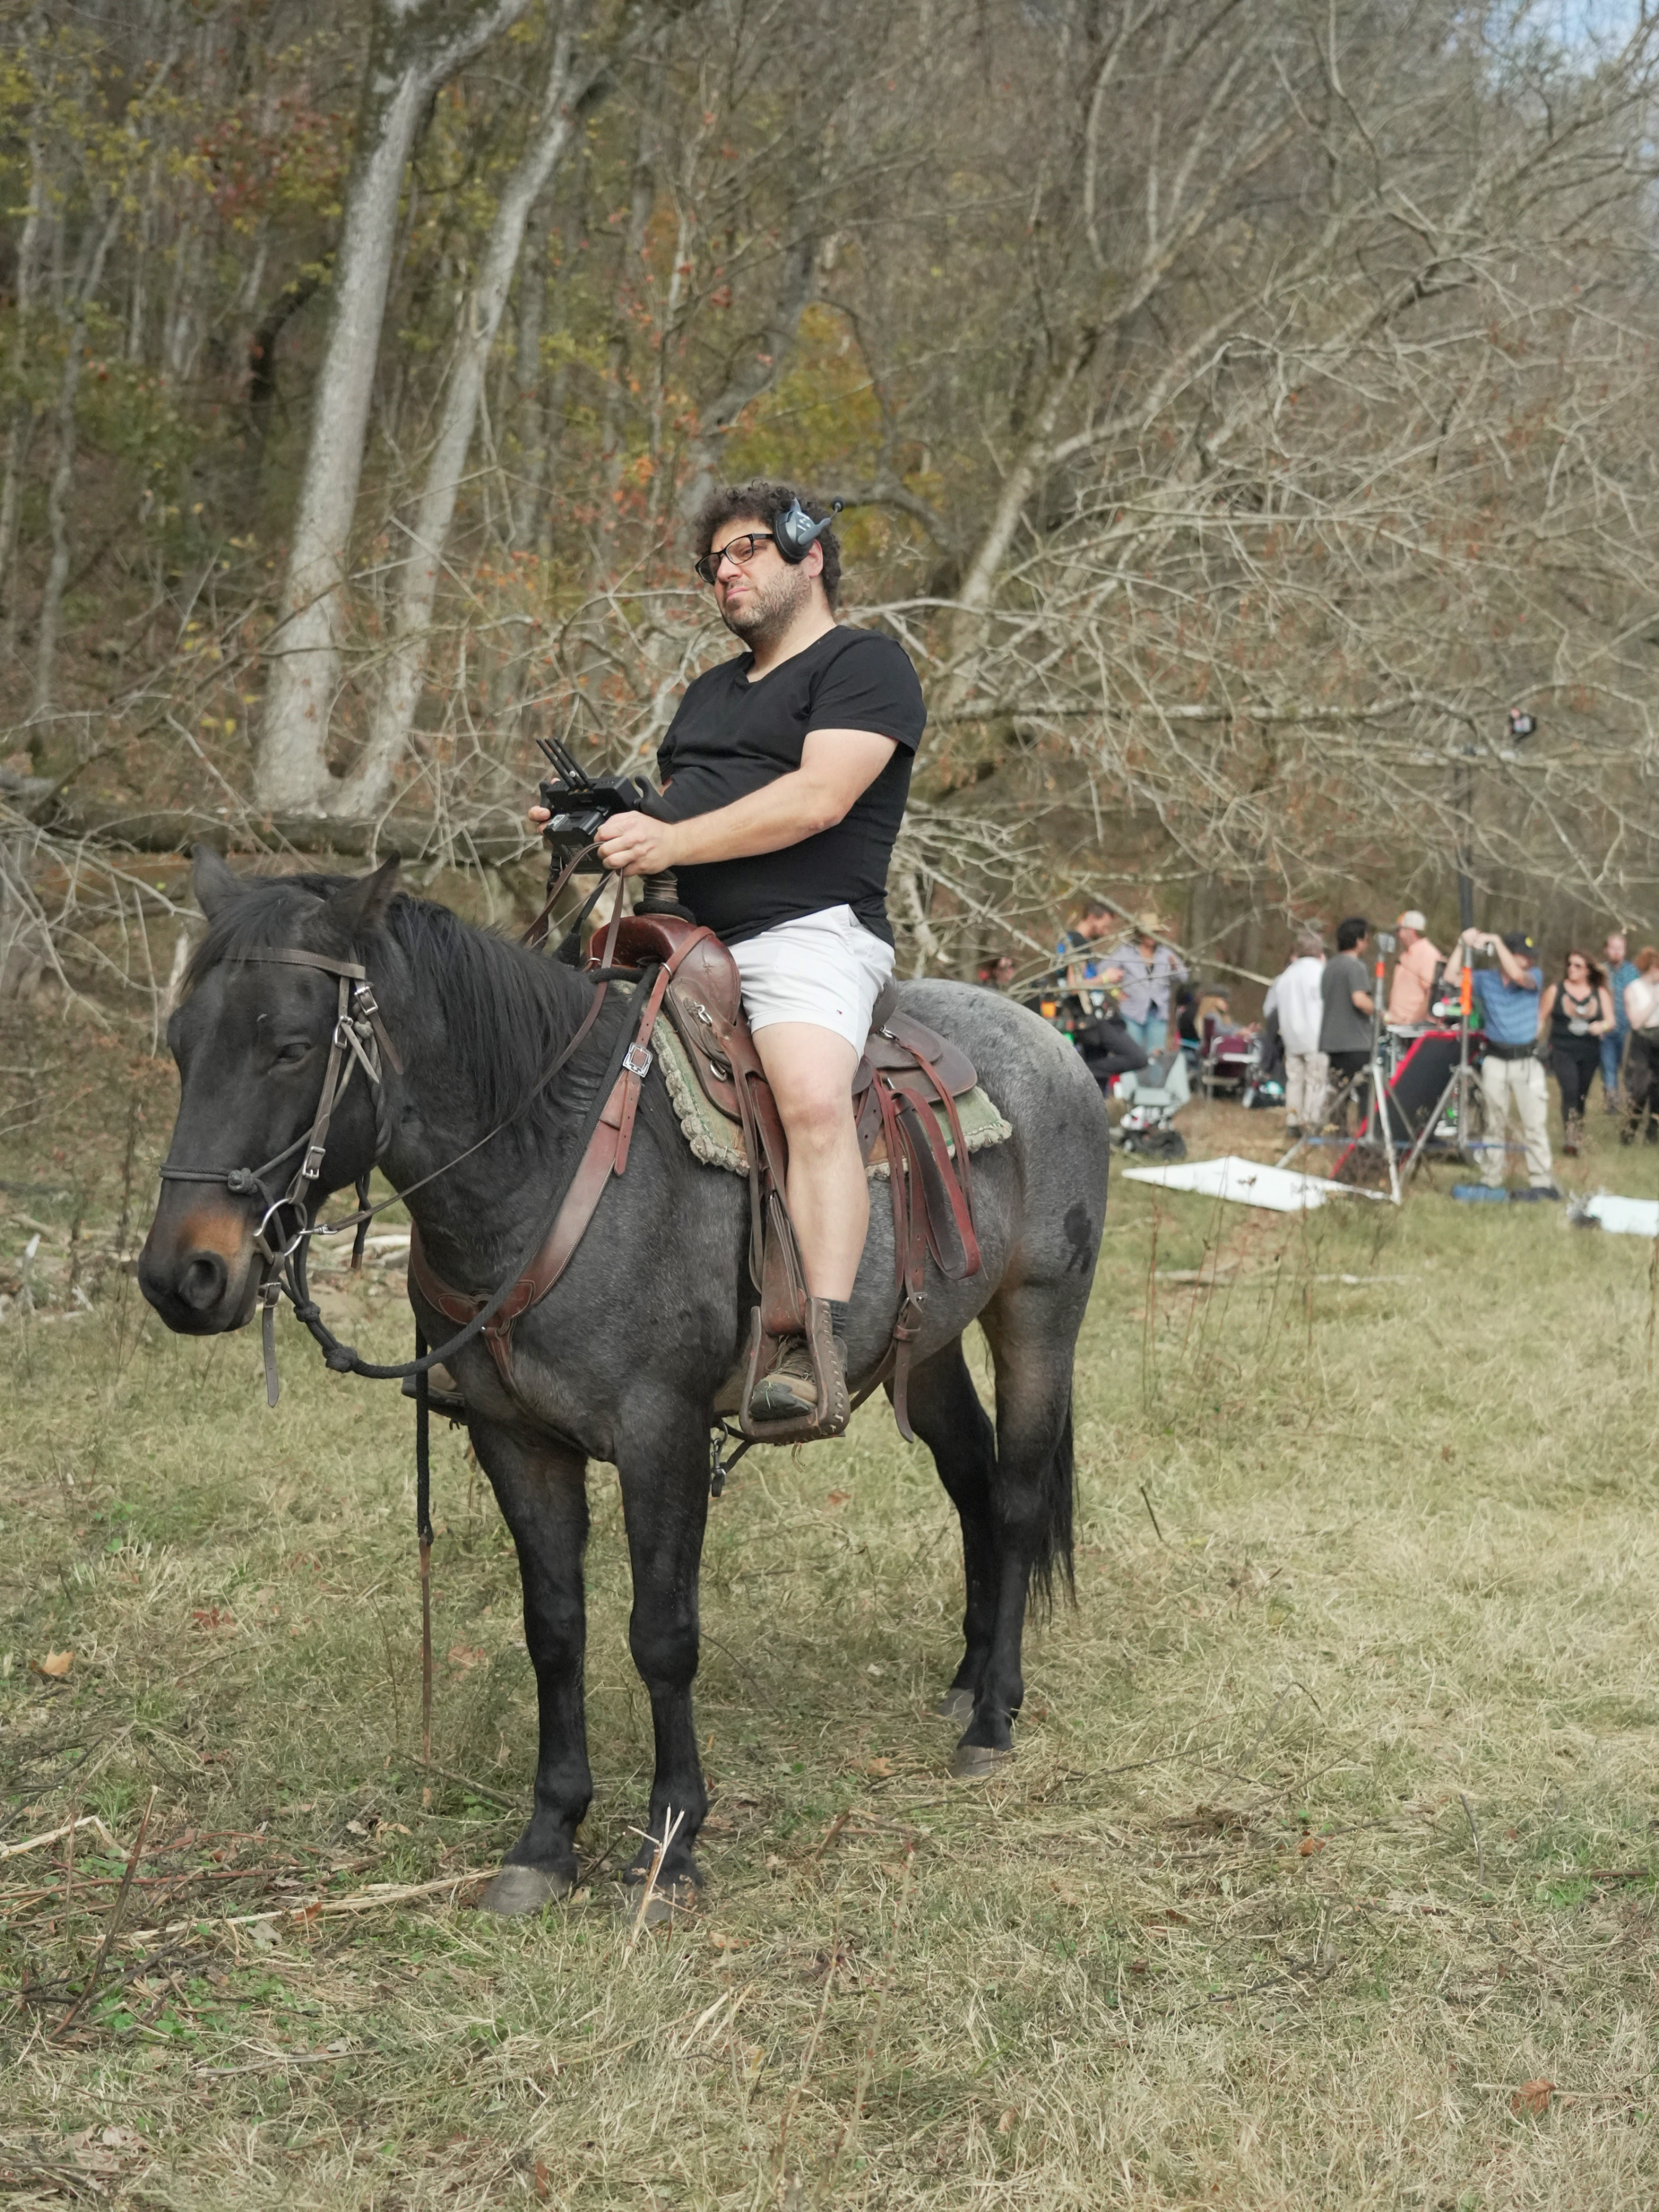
(732, 736)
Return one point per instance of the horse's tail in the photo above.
(1054, 1546)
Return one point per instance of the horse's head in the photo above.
(252, 1039)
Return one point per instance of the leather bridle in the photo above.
(360, 1039)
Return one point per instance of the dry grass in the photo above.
(1332, 1827)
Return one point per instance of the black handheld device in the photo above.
(580, 803)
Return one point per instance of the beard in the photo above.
(763, 617)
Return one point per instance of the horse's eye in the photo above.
(289, 1054)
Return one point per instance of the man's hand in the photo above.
(637, 844)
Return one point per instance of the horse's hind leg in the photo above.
(542, 1496)
(946, 1414)
(1031, 1331)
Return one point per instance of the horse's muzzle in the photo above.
(198, 1267)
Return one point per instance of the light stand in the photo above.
(1462, 1098)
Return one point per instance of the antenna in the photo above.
(560, 757)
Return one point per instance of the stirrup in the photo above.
(830, 1415)
(442, 1395)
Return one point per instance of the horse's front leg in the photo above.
(541, 1491)
(664, 1490)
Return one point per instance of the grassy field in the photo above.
(1324, 1875)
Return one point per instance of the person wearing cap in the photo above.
(1511, 1073)
(1146, 969)
(1411, 992)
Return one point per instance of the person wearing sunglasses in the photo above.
(785, 773)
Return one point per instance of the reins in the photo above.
(360, 1039)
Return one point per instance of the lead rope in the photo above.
(423, 1532)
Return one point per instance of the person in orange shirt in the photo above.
(1412, 987)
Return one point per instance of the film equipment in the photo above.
(579, 805)
(1458, 1116)
(1379, 1136)
(1521, 726)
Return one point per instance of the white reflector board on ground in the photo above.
(1625, 1216)
(1249, 1183)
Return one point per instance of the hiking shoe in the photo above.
(789, 1392)
(443, 1393)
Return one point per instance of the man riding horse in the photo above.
(785, 773)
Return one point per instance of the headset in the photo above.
(795, 532)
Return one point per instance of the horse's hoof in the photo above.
(517, 1890)
(956, 1706)
(679, 1897)
(976, 1762)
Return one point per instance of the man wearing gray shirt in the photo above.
(1345, 1028)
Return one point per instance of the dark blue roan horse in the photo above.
(629, 1356)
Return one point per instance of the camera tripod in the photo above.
(1375, 1134)
(1462, 1102)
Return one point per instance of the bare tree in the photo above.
(411, 58)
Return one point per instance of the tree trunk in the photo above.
(529, 405)
(406, 68)
(563, 100)
(88, 278)
(20, 434)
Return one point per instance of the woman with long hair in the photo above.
(1575, 1014)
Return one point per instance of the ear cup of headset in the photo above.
(796, 532)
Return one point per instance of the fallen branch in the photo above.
(57, 1836)
(323, 1908)
(116, 1913)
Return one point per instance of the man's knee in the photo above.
(817, 1116)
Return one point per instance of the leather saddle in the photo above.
(904, 1092)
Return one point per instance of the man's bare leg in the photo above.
(810, 1072)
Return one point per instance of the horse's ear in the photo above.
(215, 884)
(362, 905)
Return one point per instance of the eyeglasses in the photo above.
(740, 550)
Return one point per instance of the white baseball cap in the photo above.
(1412, 920)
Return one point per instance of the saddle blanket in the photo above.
(717, 1143)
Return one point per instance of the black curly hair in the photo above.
(759, 500)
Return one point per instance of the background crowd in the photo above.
(1120, 986)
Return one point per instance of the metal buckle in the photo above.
(637, 1060)
(314, 1162)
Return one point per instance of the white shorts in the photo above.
(826, 968)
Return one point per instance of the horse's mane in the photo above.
(507, 1010)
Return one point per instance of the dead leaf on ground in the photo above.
(54, 1666)
(1309, 1846)
(881, 1768)
(212, 1617)
(1007, 2123)
(1533, 2097)
(838, 1497)
(464, 1656)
